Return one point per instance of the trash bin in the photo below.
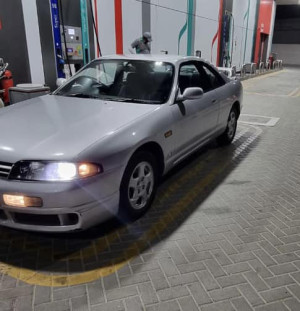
(26, 91)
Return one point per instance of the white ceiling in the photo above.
(287, 2)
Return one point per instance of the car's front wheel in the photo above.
(138, 186)
(227, 137)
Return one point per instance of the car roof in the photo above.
(153, 57)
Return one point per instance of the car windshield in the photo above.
(133, 81)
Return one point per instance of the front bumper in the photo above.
(67, 206)
(59, 219)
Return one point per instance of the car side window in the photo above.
(214, 79)
(192, 74)
(188, 76)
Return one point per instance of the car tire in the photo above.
(138, 186)
(227, 137)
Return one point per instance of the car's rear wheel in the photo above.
(138, 186)
(227, 137)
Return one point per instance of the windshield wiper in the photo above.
(81, 95)
(131, 100)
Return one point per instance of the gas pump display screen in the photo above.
(71, 31)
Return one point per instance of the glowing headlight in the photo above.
(53, 171)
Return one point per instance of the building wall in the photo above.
(263, 25)
(184, 26)
(227, 32)
(286, 41)
(244, 13)
(289, 53)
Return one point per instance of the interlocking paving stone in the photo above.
(293, 304)
(6, 305)
(250, 294)
(168, 266)
(135, 279)
(95, 293)
(158, 279)
(110, 306)
(241, 304)
(231, 280)
(221, 257)
(172, 293)
(224, 306)
(60, 305)
(182, 279)
(42, 294)
(260, 268)
(224, 294)
(188, 303)
(207, 280)
(15, 292)
(134, 304)
(278, 281)
(256, 281)
(191, 267)
(120, 293)
(214, 267)
(295, 290)
(199, 293)
(69, 292)
(22, 303)
(165, 306)
(277, 306)
(148, 294)
(283, 268)
(275, 294)
(79, 303)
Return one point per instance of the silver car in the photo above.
(98, 145)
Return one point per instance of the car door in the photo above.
(194, 118)
(223, 98)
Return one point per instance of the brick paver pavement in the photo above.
(223, 233)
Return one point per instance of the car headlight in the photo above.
(53, 171)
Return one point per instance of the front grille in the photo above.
(5, 169)
(32, 219)
(45, 220)
(2, 215)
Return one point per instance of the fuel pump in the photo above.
(71, 43)
(57, 39)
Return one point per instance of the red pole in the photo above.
(220, 32)
(119, 26)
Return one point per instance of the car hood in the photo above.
(55, 127)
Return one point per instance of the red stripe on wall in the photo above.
(220, 31)
(119, 26)
(96, 22)
(212, 45)
(263, 25)
(0, 24)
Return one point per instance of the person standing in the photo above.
(142, 45)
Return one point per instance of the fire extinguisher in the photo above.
(6, 81)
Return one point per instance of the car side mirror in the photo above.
(60, 82)
(190, 93)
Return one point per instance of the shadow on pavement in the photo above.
(180, 194)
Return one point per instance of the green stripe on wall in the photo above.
(189, 27)
(190, 20)
(85, 32)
